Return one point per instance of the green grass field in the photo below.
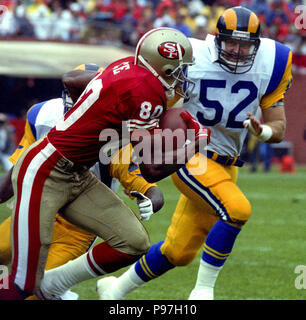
(267, 251)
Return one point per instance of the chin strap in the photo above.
(150, 68)
(170, 91)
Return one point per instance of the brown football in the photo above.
(172, 119)
(178, 128)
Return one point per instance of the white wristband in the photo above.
(266, 133)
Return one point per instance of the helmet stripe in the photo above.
(230, 19)
(91, 67)
(87, 66)
(243, 17)
(253, 23)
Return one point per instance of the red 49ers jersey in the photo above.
(122, 92)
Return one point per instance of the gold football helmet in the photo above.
(167, 53)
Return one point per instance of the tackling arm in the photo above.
(149, 202)
(76, 81)
(156, 197)
(149, 198)
(272, 107)
(275, 118)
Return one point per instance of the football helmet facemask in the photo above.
(167, 53)
(68, 103)
(237, 28)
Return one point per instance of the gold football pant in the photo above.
(204, 199)
(68, 243)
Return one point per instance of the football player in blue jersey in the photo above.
(235, 73)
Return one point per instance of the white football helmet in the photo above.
(167, 53)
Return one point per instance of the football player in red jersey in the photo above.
(53, 174)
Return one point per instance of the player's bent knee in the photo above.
(178, 257)
(240, 211)
(139, 244)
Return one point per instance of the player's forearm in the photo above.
(6, 187)
(275, 118)
(278, 131)
(274, 124)
(156, 197)
(76, 81)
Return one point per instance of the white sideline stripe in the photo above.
(206, 195)
(23, 227)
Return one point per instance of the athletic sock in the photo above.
(100, 260)
(153, 264)
(219, 243)
(58, 280)
(217, 247)
(126, 283)
(207, 276)
(105, 259)
(148, 267)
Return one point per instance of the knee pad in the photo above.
(235, 206)
(239, 210)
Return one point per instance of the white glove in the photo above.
(144, 204)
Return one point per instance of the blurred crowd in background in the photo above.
(123, 22)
